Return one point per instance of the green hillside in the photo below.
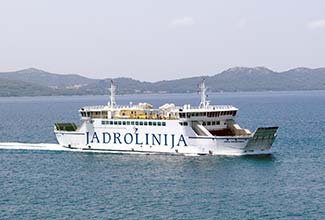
(34, 82)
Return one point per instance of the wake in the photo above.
(53, 147)
(41, 146)
(32, 146)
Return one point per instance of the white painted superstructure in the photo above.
(170, 129)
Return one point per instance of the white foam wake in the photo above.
(57, 147)
(31, 146)
(52, 147)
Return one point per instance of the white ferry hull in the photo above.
(140, 140)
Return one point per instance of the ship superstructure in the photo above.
(169, 129)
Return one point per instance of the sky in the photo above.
(159, 40)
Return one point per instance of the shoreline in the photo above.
(164, 94)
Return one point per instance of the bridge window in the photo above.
(183, 123)
(145, 123)
(124, 122)
(132, 122)
(211, 114)
(204, 124)
(159, 123)
(163, 123)
(128, 123)
(154, 123)
(209, 123)
(217, 122)
(213, 123)
(141, 122)
(119, 123)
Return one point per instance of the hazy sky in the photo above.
(155, 40)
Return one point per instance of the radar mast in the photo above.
(112, 95)
(202, 90)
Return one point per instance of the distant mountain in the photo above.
(19, 88)
(53, 80)
(34, 82)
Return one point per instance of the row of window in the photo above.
(208, 114)
(205, 123)
(183, 123)
(138, 123)
(209, 123)
(95, 113)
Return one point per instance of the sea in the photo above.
(38, 181)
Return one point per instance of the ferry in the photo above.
(178, 130)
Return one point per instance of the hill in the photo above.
(52, 80)
(19, 88)
(33, 82)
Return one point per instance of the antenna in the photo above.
(112, 96)
(202, 90)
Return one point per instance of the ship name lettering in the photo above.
(171, 140)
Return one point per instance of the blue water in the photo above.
(290, 184)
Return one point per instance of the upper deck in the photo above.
(165, 112)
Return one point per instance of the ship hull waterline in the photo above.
(259, 143)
